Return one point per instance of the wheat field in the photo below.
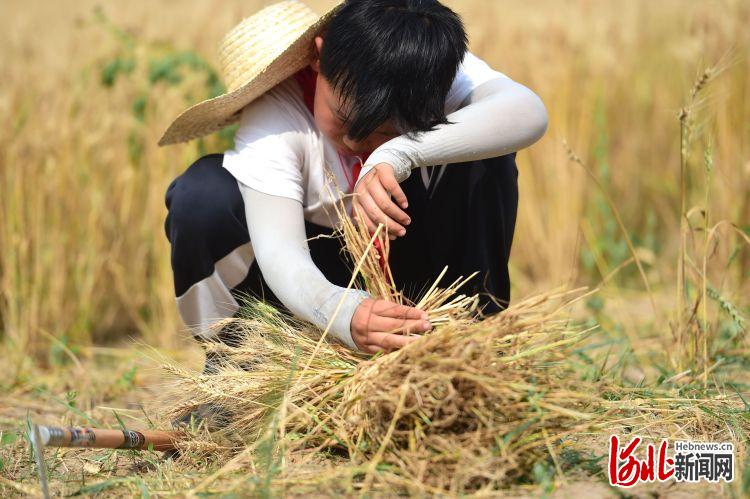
(619, 180)
(82, 247)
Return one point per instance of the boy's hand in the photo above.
(374, 201)
(374, 322)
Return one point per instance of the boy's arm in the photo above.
(277, 232)
(502, 116)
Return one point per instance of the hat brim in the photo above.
(214, 114)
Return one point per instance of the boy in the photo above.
(386, 83)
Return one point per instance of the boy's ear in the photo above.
(315, 64)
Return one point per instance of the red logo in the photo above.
(625, 470)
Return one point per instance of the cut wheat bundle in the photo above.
(369, 253)
(472, 404)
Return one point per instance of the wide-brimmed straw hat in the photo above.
(256, 55)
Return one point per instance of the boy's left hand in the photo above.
(373, 198)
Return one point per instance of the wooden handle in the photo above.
(109, 439)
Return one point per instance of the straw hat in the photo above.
(256, 55)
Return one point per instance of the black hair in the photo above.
(392, 59)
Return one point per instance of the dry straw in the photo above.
(472, 406)
(443, 305)
(468, 406)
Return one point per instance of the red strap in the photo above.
(307, 79)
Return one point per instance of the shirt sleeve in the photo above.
(269, 153)
(277, 232)
(472, 73)
(499, 116)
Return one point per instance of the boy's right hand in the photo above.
(375, 321)
(377, 195)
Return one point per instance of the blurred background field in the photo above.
(87, 87)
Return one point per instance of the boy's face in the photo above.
(329, 109)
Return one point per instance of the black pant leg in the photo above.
(466, 222)
(206, 222)
(326, 254)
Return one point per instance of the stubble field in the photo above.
(640, 188)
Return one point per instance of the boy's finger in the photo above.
(392, 325)
(377, 216)
(390, 341)
(394, 188)
(373, 349)
(383, 200)
(366, 220)
(359, 212)
(390, 309)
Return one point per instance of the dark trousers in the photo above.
(465, 220)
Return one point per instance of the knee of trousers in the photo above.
(205, 203)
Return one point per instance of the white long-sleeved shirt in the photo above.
(495, 116)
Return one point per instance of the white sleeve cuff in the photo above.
(341, 327)
(399, 161)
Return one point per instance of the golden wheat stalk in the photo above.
(442, 305)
